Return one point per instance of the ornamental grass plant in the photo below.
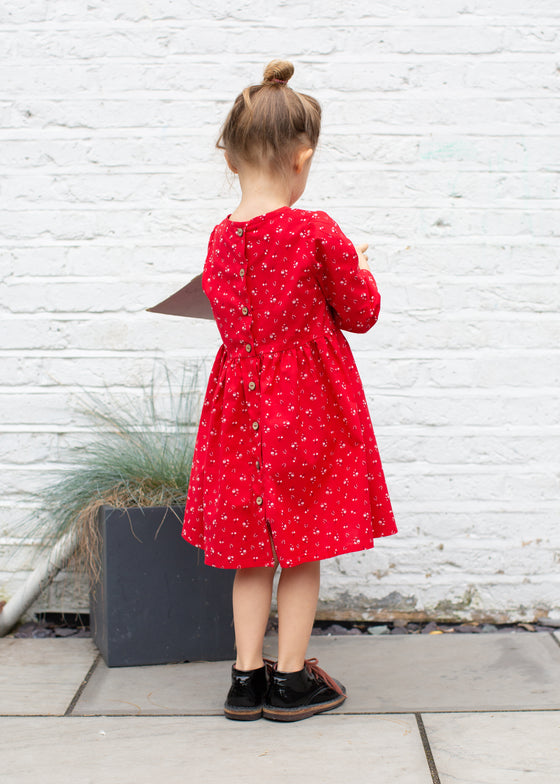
(140, 455)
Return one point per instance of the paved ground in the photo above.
(455, 709)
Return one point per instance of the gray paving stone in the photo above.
(193, 688)
(495, 748)
(143, 750)
(40, 676)
(441, 672)
(382, 674)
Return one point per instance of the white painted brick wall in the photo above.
(440, 147)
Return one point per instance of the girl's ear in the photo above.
(229, 163)
(302, 156)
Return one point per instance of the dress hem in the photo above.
(208, 561)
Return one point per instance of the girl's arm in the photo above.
(344, 276)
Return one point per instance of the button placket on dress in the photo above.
(251, 367)
(252, 394)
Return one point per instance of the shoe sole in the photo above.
(242, 714)
(302, 712)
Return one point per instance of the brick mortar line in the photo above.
(208, 131)
(234, 24)
(518, 204)
(458, 205)
(447, 278)
(381, 357)
(421, 58)
(200, 96)
(177, 23)
(407, 469)
(384, 241)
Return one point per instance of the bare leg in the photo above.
(252, 594)
(298, 592)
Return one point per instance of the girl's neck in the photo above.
(261, 193)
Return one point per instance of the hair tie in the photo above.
(280, 81)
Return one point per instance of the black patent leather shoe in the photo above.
(297, 695)
(248, 688)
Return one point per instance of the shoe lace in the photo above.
(313, 668)
(270, 665)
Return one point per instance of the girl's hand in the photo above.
(362, 258)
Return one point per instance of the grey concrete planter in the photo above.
(156, 602)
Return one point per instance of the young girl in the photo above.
(286, 469)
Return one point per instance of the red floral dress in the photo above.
(285, 459)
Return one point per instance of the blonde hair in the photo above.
(268, 121)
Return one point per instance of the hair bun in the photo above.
(278, 71)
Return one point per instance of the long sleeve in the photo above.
(209, 252)
(349, 290)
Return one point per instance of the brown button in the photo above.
(244, 310)
(255, 425)
(259, 500)
(258, 465)
(252, 385)
(248, 347)
(239, 232)
(241, 273)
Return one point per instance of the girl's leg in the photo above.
(252, 594)
(298, 592)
